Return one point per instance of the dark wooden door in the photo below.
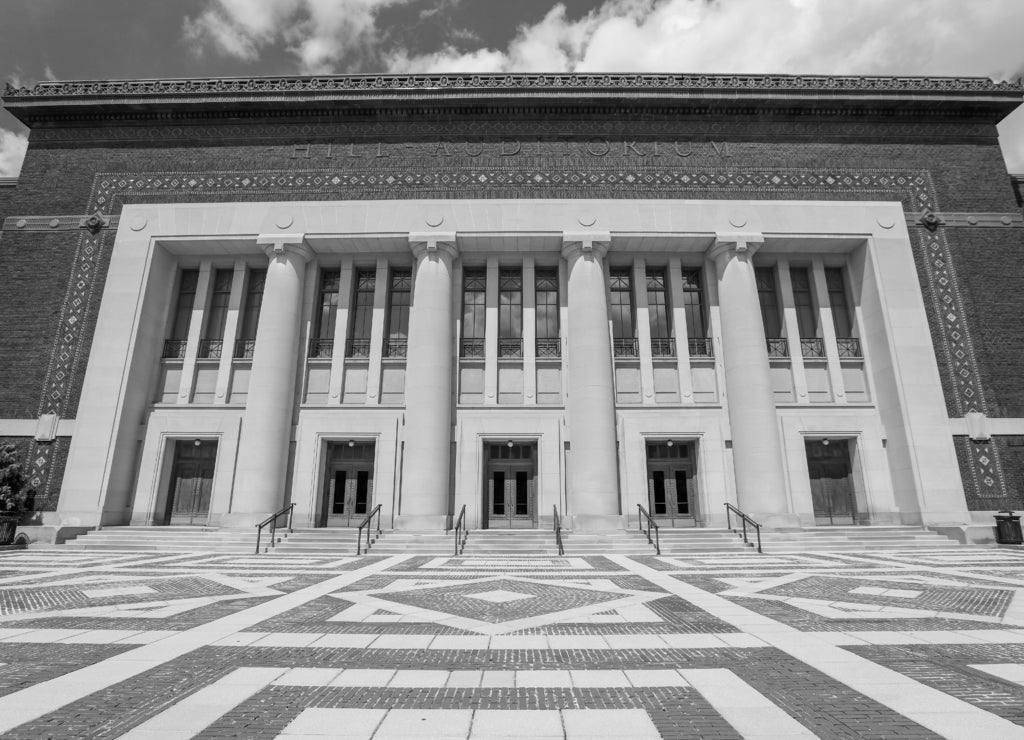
(191, 484)
(831, 477)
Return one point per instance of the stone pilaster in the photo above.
(756, 447)
(428, 384)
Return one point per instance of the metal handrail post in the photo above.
(745, 540)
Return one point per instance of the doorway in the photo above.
(510, 491)
(191, 485)
(348, 488)
(831, 473)
(671, 493)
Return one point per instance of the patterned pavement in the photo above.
(903, 644)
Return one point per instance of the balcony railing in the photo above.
(849, 347)
(174, 349)
(244, 348)
(663, 347)
(510, 348)
(359, 348)
(396, 348)
(472, 348)
(549, 348)
(701, 347)
(778, 347)
(321, 348)
(626, 347)
(813, 347)
(210, 349)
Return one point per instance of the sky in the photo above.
(124, 39)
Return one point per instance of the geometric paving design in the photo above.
(905, 645)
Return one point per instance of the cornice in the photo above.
(445, 90)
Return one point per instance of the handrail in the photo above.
(366, 523)
(745, 519)
(651, 524)
(558, 530)
(272, 522)
(460, 526)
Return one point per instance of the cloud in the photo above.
(322, 35)
(919, 37)
(12, 152)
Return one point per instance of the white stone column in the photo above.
(377, 329)
(643, 331)
(231, 328)
(757, 450)
(675, 283)
(529, 332)
(428, 385)
(828, 331)
(195, 332)
(593, 495)
(267, 423)
(491, 333)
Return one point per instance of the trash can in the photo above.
(1008, 530)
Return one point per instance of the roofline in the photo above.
(219, 93)
(8, 182)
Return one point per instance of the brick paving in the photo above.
(893, 645)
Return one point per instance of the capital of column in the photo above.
(735, 244)
(586, 244)
(279, 245)
(434, 245)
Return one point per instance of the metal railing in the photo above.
(174, 349)
(367, 523)
(651, 525)
(245, 348)
(663, 347)
(396, 348)
(510, 348)
(812, 347)
(321, 348)
(729, 510)
(210, 349)
(849, 347)
(701, 347)
(461, 531)
(472, 348)
(549, 347)
(558, 530)
(778, 347)
(357, 348)
(626, 347)
(271, 521)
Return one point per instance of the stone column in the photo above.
(428, 385)
(267, 422)
(593, 495)
(756, 448)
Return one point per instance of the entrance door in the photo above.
(188, 501)
(348, 490)
(671, 495)
(510, 491)
(831, 481)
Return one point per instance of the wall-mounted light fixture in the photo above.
(351, 443)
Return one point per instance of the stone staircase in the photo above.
(854, 539)
(166, 539)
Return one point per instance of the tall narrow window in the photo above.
(474, 315)
(768, 296)
(246, 342)
(546, 299)
(322, 344)
(175, 346)
(362, 314)
(662, 344)
(806, 317)
(694, 308)
(398, 314)
(213, 339)
(621, 285)
(510, 313)
(842, 318)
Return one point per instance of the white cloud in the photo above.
(12, 152)
(323, 35)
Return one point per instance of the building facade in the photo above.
(518, 294)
